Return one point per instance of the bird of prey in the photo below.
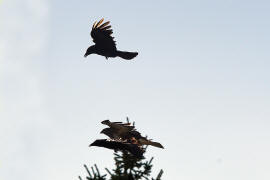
(131, 136)
(104, 42)
(117, 125)
(125, 132)
(132, 148)
(119, 129)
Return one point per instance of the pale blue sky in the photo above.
(200, 85)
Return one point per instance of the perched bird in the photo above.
(119, 128)
(110, 133)
(132, 148)
(113, 134)
(104, 42)
(131, 136)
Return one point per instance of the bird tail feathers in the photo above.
(127, 55)
(152, 143)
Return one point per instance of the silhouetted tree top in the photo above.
(127, 167)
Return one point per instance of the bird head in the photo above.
(108, 132)
(104, 131)
(98, 142)
(105, 122)
(90, 50)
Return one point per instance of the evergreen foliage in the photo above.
(127, 167)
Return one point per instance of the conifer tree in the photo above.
(127, 167)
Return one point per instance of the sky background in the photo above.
(200, 86)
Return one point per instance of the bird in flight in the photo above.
(105, 44)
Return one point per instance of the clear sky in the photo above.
(200, 86)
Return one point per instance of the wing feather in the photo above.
(104, 24)
(107, 27)
(99, 22)
(101, 34)
(94, 24)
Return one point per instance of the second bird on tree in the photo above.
(105, 44)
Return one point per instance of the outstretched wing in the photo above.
(132, 148)
(101, 34)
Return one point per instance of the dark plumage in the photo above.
(110, 133)
(132, 148)
(131, 136)
(119, 129)
(104, 42)
(118, 125)
(125, 132)
(113, 134)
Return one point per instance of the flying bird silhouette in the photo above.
(104, 42)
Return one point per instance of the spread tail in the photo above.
(152, 143)
(127, 55)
